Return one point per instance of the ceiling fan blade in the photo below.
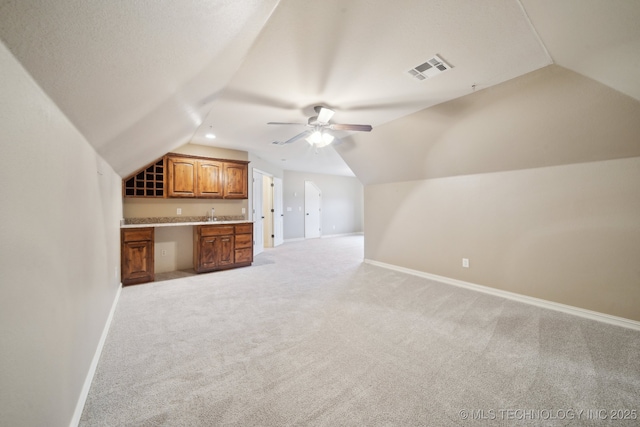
(324, 114)
(362, 128)
(286, 123)
(297, 137)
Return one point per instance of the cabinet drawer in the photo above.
(215, 230)
(243, 241)
(137, 235)
(244, 228)
(244, 255)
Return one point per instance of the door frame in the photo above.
(276, 204)
(278, 211)
(258, 225)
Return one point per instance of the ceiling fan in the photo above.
(317, 135)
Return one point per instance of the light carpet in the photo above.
(310, 335)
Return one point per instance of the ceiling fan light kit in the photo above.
(319, 137)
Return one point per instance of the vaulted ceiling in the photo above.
(141, 78)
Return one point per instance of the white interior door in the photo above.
(278, 214)
(312, 209)
(258, 218)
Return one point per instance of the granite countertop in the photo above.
(175, 221)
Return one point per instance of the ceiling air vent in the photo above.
(431, 68)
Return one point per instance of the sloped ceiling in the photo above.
(133, 76)
(140, 78)
(552, 116)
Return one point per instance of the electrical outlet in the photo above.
(164, 252)
(244, 211)
(465, 262)
(179, 211)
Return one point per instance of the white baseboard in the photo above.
(342, 234)
(94, 363)
(324, 236)
(576, 311)
(297, 239)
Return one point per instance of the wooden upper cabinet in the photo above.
(236, 181)
(182, 177)
(178, 175)
(209, 179)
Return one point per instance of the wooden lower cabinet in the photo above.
(136, 245)
(244, 244)
(217, 247)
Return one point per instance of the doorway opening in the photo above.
(268, 217)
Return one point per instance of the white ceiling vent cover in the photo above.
(429, 69)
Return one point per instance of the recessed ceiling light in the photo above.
(210, 136)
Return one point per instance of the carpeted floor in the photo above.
(309, 335)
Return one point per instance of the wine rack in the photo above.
(147, 182)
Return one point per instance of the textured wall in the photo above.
(535, 180)
(569, 234)
(59, 253)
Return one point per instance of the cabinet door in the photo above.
(226, 251)
(236, 181)
(208, 259)
(181, 177)
(137, 256)
(209, 179)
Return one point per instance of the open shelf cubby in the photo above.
(146, 182)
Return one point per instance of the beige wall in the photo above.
(209, 151)
(569, 234)
(59, 253)
(177, 244)
(535, 180)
